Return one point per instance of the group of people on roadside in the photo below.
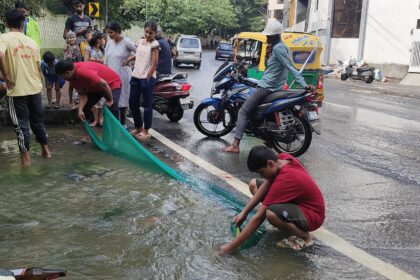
(291, 200)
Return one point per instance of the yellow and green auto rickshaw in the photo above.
(252, 46)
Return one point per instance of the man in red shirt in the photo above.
(92, 81)
(291, 200)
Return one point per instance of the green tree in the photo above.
(34, 7)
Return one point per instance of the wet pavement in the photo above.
(366, 162)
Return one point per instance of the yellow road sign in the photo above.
(93, 9)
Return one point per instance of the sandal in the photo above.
(57, 107)
(141, 137)
(49, 106)
(135, 131)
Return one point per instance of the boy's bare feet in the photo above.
(46, 152)
(26, 159)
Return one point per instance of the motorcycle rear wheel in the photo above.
(302, 129)
(211, 112)
(344, 76)
(175, 114)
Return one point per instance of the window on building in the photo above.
(280, 1)
(317, 5)
(346, 21)
(278, 15)
(301, 9)
(418, 24)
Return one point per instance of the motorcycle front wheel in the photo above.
(212, 122)
(300, 141)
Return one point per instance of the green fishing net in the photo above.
(117, 140)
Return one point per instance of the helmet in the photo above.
(273, 27)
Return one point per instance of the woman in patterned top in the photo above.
(143, 80)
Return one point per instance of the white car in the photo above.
(188, 51)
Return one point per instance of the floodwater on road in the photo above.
(101, 217)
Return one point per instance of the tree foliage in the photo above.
(34, 6)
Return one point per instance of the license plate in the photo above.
(313, 116)
(185, 101)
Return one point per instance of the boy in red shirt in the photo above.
(92, 81)
(291, 200)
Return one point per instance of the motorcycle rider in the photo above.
(165, 56)
(275, 75)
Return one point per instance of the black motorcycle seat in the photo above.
(365, 68)
(284, 94)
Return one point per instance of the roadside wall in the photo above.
(388, 31)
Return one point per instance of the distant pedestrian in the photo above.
(143, 81)
(211, 43)
(78, 22)
(20, 60)
(51, 79)
(30, 26)
(164, 66)
(84, 45)
(118, 49)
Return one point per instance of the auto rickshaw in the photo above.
(252, 46)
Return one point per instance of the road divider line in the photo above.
(327, 237)
(338, 105)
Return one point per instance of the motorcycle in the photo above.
(357, 71)
(285, 119)
(171, 96)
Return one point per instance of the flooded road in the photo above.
(101, 217)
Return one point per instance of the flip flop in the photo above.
(141, 137)
(48, 107)
(299, 244)
(57, 107)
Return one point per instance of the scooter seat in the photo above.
(364, 69)
(284, 94)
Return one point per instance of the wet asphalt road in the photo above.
(366, 162)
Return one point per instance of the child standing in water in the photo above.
(72, 52)
(143, 81)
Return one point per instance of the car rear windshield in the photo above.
(189, 43)
(226, 47)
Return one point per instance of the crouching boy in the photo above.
(291, 200)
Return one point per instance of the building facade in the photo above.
(275, 9)
(381, 32)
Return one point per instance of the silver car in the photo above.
(188, 51)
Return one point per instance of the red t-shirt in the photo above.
(89, 74)
(293, 184)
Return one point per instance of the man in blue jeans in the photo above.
(275, 75)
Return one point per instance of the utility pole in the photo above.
(106, 12)
(329, 31)
(146, 8)
(362, 31)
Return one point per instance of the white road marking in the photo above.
(338, 105)
(327, 237)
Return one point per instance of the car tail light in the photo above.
(185, 87)
(320, 84)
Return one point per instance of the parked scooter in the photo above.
(285, 120)
(357, 71)
(171, 96)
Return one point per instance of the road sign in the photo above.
(93, 9)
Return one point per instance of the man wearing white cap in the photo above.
(275, 75)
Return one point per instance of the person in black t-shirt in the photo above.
(78, 22)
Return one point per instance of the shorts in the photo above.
(50, 81)
(287, 212)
